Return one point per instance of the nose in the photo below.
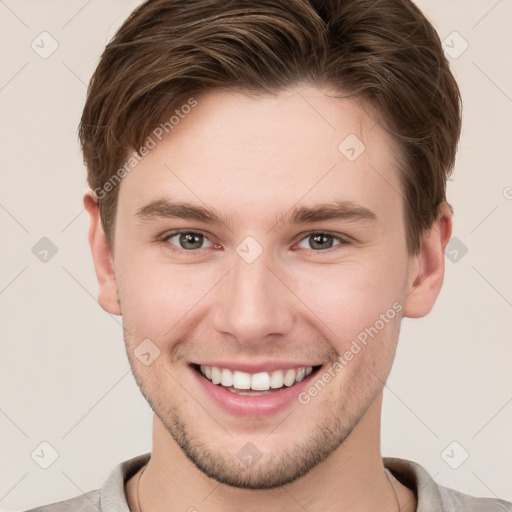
(254, 304)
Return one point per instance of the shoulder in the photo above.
(455, 501)
(111, 497)
(88, 502)
(432, 496)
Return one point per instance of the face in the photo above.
(301, 257)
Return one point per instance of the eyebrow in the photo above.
(336, 210)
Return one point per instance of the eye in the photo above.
(322, 241)
(186, 240)
(192, 241)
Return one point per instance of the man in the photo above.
(267, 203)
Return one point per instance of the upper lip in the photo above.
(255, 367)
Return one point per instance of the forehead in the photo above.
(253, 154)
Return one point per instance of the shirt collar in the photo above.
(410, 474)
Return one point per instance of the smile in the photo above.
(255, 384)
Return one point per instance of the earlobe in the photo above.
(426, 271)
(101, 255)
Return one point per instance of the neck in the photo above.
(351, 478)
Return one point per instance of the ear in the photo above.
(426, 269)
(101, 255)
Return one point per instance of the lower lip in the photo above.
(252, 406)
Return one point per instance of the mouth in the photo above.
(255, 384)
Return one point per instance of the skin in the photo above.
(254, 159)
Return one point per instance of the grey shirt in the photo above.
(431, 496)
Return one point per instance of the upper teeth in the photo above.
(258, 381)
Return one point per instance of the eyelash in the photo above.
(168, 235)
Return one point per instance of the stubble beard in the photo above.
(273, 469)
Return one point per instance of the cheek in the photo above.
(350, 297)
(158, 300)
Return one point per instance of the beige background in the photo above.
(65, 377)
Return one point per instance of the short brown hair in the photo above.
(383, 51)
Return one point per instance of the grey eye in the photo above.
(320, 241)
(187, 240)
